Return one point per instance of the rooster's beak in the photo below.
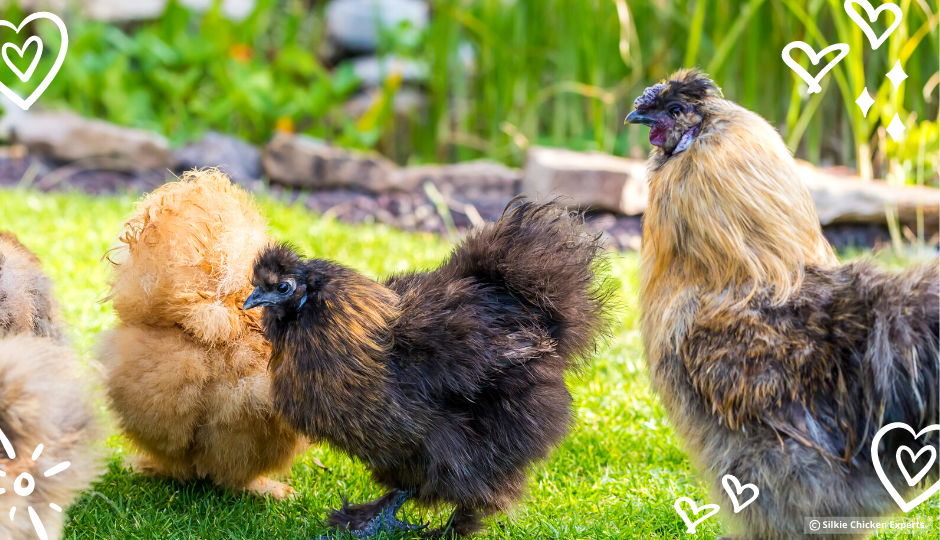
(637, 118)
(257, 298)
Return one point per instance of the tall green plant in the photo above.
(863, 69)
(507, 74)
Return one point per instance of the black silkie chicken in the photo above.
(447, 384)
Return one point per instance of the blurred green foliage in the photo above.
(507, 74)
(186, 73)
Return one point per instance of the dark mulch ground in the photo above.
(408, 211)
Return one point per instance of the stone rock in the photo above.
(591, 180)
(96, 143)
(844, 198)
(373, 71)
(613, 184)
(237, 158)
(355, 24)
(42, 174)
(302, 161)
(621, 232)
(408, 211)
(12, 113)
(487, 186)
(472, 180)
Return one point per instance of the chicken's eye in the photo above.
(675, 110)
(283, 288)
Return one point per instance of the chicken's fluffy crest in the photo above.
(197, 277)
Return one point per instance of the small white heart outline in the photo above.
(25, 104)
(738, 488)
(814, 58)
(873, 16)
(32, 65)
(695, 510)
(904, 505)
(912, 481)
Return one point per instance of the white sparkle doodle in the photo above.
(25, 484)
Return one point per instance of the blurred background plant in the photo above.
(501, 75)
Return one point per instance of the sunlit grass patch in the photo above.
(615, 477)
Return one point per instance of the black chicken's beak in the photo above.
(257, 298)
(637, 118)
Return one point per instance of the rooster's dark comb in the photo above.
(649, 95)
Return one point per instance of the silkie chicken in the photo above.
(27, 304)
(776, 364)
(448, 385)
(47, 419)
(186, 367)
(44, 399)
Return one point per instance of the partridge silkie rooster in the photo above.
(447, 384)
(776, 363)
(186, 367)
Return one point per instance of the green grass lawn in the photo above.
(616, 476)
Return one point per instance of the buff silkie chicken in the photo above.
(776, 363)
(450, 384)
(186, 367)
(27, 304)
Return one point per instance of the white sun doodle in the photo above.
(25, 484)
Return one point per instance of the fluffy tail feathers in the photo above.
(903, 352)
(547, 256)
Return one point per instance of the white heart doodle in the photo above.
(26, 103)
(876, 461)
(912, 481)
(873, 16)
(814, 58)
(726, 482)
(32, 65)
(695, 511)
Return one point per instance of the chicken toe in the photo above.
(263, 486)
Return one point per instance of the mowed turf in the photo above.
(616, 476)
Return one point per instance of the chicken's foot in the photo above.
(263, 486)
(384, 521)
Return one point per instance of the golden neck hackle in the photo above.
(726, 217)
